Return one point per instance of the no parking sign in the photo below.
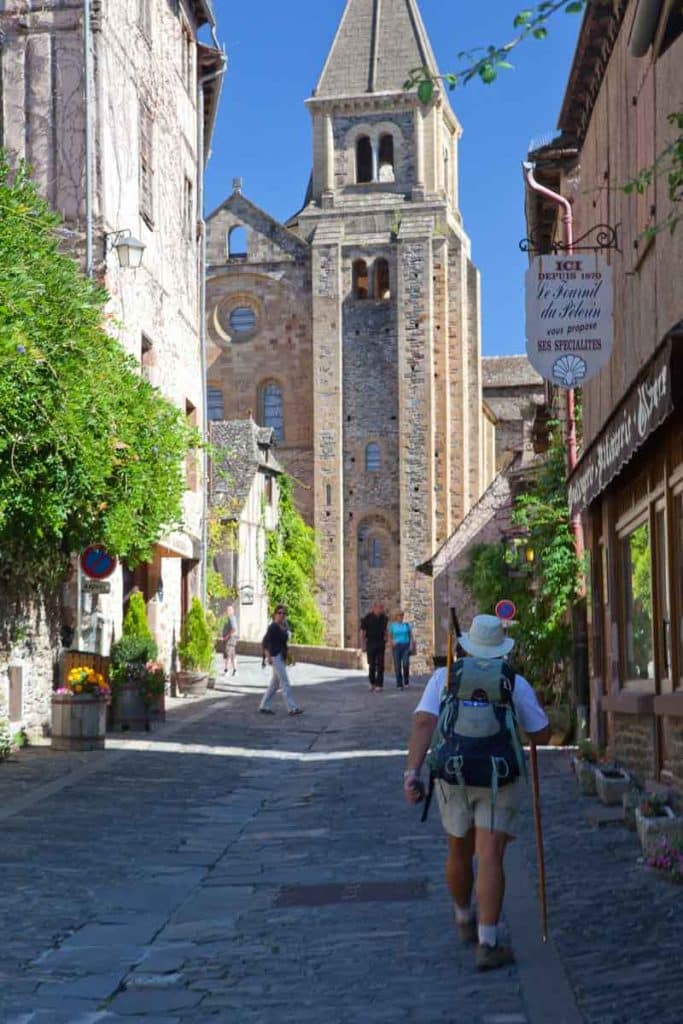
(97, 563)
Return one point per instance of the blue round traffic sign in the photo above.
(97, 563)
(506, 610)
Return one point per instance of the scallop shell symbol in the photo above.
(569, 370)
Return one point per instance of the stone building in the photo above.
(117, 142)
(244, 496)
(354, 330)
(626, 79)
(515, 394)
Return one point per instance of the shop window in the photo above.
(372, 458)
(663, 628)
(214, 404)
(637, 604)
(386, 158)
(375, 553)
(237, 243)
(360, 280)
(382, 288)
(272, 409)
(363, 160)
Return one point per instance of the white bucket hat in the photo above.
(486, 638)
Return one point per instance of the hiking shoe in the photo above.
(491, 957)
(266, 711)
(297, 711)
(467, 930)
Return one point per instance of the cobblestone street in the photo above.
(239, 868)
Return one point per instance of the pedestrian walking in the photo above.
(274, 645)
(230, 641)
(402, 646)
(373, 639)
(476, 770)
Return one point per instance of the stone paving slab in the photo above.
(156, 868)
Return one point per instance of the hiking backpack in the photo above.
(476, 742)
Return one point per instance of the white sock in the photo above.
(488, 934)
(462, 914)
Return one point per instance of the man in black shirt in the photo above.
(275, 651)
(373, 637)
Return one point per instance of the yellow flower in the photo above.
(78, 688)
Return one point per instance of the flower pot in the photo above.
(79, 722)
(651, 829)
(129, 710)
(611, 784)
(192, 684)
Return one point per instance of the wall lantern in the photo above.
(519, 554)
(129, 249)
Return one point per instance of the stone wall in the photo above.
(31, 659)
(632, 739)
(331, 657)
(673, 729)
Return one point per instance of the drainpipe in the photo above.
(201, 142)
(87, 73)
(579, 622)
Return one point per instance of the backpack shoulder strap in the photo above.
(507, 683)
(454, 680)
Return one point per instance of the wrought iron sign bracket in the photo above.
(604, 237)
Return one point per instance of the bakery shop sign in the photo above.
(644, 408)
(568, 317)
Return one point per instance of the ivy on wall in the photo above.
(89, 451)
(543, 589)
(289, 569)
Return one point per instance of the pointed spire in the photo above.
(377, 45)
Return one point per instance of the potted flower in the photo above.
(195, 652)
(611, 782)
(79, 711)
(666, 857)
(137, 689)
(654, 819)
(584, 763)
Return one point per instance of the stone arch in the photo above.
(386, 148)
(237, 242)
(360, 284)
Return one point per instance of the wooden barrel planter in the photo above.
(192, 684)
(79, 722)
(129, 710)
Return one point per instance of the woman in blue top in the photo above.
(401, 634)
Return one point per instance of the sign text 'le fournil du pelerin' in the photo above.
(568, 317)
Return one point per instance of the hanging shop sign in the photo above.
(644, 408)
(568, 316)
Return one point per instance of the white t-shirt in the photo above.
(530, 714)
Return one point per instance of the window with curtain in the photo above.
(272, 409)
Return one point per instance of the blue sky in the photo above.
(276, 51)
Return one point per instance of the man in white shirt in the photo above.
(466, 810)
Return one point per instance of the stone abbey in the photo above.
(353, 330)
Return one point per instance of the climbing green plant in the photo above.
(543, 589)
(89, 451)
(289, 569)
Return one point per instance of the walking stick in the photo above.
(539, 841)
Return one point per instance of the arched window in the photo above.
(360, 279)
(363, 159)
(372, 458)
(272, 409)
(382, 286)
(237, 242)
(214, 403)
(386, 158)
(375, 553)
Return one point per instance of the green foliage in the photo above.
(289, 570)
(543, 590)
(669, 163)
(484, 63)
(5, 739)
(135, 625)
(223, 536)
(196, 647)
(89, 450)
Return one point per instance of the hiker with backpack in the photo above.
(468, 716)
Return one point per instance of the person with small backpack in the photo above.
(274, 646)
(468, 720)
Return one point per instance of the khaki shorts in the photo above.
(461, 808)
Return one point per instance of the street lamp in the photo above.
(128, 248)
